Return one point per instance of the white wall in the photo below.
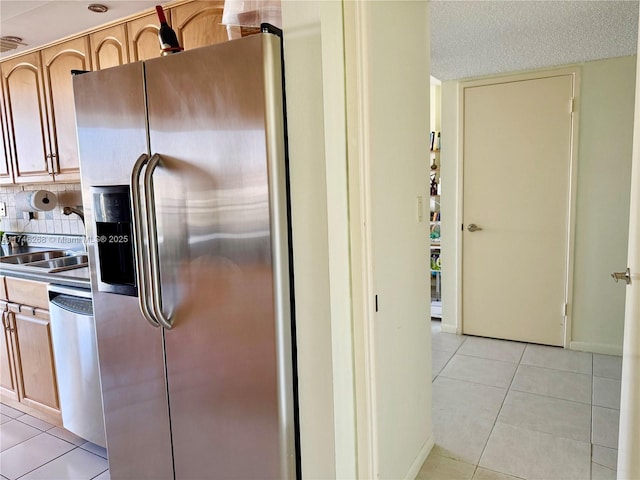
(606, 103)
(396, 125)
(54, 221)
(604, 182)
(305, 112)
(449, 208)
(435, 95)
(388, 164)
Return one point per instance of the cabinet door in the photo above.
(143, 37)
(36, 368)
(26, 118)
(7, 366)
(198, 24)
(109, 47)
(58, 61)
(6, 175)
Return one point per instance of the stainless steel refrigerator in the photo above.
(185, 195)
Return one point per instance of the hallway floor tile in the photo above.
(509, 410)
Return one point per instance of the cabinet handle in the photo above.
(33, 309)
(5, 320)
(51, 166)
(12, 327)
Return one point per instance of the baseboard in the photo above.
(448, 328)
(602, 348)
(420, 459)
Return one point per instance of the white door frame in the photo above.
(360, 239)
(335, 128)
(569, 267)
(629, 429)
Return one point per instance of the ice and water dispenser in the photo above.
(116, 265)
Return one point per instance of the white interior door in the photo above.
(517, 168)
(629, 436)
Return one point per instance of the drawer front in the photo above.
(27, 292)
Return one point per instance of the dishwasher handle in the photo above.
(55, 290)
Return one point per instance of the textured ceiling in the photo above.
(468, 38)
(483, 37)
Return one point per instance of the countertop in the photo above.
(78, 277)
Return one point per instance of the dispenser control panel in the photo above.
(112, 212)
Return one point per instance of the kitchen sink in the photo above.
(49, 261)
(62, 263)
(23, 258)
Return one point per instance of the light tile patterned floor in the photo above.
(501, 410)
(509, 410)
(33, 449)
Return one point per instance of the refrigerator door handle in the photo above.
(152, 236)
(138, 244)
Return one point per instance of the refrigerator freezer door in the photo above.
(111, 122)
(215, 118)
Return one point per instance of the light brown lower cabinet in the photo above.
(27, 364)
(7, 369)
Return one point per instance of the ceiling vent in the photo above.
(10, 43)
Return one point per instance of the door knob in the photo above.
(472, 227)
(626, 276)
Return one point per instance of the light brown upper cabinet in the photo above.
(109, 47)
(143, 37)
(6, 175)
(198, 24)
(41, 125)
(38, 141)
(57, 62)
(26, 118)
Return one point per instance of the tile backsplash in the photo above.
(69, 195)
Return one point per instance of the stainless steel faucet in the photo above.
(78, 211)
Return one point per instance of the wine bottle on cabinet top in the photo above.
(168, 38)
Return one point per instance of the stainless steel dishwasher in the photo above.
(75, 350)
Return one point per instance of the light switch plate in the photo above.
(3, 209)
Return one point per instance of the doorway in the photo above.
(435, 260)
